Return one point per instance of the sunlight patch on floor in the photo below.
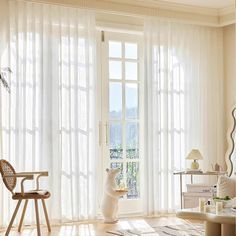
(99, 228)
(135, 224)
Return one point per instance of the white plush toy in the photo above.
(111, 196)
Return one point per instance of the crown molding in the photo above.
(169, 6)
(226, 10)
(157, 8)
(227, 15)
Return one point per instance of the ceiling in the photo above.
(203, 3)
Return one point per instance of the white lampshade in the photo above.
(194, 155)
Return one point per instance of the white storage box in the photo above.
(199, 188)
(191, 200)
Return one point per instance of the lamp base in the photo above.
(194, 165)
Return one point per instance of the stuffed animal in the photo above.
(111, 195)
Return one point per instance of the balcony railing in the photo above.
(131, 169)
(131, 153)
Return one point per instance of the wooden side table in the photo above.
(181, 173)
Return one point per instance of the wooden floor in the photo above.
(98, 228)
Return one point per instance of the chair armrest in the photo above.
(41, 173)
(19, 175)
(38, 173)
(27, 176)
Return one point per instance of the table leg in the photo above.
(212, 229)
(191, 179)
(228, 230)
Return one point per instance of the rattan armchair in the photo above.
(9, 177)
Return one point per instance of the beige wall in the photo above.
(230, 76)
(229, 73)
(3, 27)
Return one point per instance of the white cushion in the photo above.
(226, 186)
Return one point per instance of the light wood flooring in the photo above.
(98, 228)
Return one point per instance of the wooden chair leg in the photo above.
(23, 215)
(46, 215)
(13, 218)
(37, 216)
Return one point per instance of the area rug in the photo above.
(168, 230)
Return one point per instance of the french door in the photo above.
(121, 113)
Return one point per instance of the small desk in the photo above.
(181, 173)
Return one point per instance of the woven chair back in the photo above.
(7, 169)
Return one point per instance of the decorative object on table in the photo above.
(3, 75)
(219, 207)
(201, 203)
(207, 208)
(111, 195)
(9, 177)
(223, 200)
(216, 167)
(194, 155)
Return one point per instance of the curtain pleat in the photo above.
(184, 105)
(48, 119)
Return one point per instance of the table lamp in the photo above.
(194, 155)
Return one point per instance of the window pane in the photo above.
(131, 101)
(133, 180)
(115, 49)
(116, 150)
(132, 140)
(131, 51)
(115, 100)
(115, 70)
(131, 70)
(120, 176)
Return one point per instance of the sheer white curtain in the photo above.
(184, 105)
(48, 119)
